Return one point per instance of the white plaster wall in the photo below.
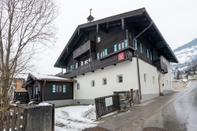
(127, 69)
(166, 78)
(150, 86)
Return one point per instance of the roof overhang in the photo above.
(138, 19)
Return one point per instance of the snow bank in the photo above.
(74, 118)
(89, 112)
(43, 104)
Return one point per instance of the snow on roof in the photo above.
(48, 77)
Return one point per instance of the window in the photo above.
(191, 72)
(125, 43)
(81, 63)
(57, 88)
(93, 83)
(64, 88)
(144, 77)
(153, 79)
(76, 65)
(104, 81)
(135, 44)
(71, 67)
(106, 52)
(141, 49)
(98, 39)
(78, 86)
(147, 53)
(120, 79)
(60, 88)
(119, 47)
(98, 55)
(115, 47)
(53, 88)
(151, 56)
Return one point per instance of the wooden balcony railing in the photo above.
(88, 46)
(108, 60)
(161, 66)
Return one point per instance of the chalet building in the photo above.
(49, 88)
(120, 52)
(192, 73)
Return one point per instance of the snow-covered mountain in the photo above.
(187, 55)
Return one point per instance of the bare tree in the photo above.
(25, 26)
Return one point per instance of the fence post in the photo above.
(1, 121)
(53, 117)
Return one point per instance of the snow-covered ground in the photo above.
(74, 118)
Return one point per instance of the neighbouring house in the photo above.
(18, 84)
(192, 73)
(49, 88)
(121, 52)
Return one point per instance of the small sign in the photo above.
(121, 56)
(108, 101)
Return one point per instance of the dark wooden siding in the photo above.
(48, 95)
(115, 35)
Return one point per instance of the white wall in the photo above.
(166, 78)
(127, 69)
(148, 87)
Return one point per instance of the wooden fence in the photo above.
(12, 120)
(107, 104)
(21, 96)
(28, 118)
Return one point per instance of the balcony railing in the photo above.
(83, 49)
(161, 66)
(108, 60)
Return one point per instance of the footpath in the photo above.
(136, 116)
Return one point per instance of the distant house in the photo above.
(49, 88)
(121, 52)
(18, 84)
(192, 73)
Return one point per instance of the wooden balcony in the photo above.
(111, 59)
(88, 46)
(161, 66)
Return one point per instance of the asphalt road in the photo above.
(179, 115)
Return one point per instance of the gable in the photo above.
(138, 20)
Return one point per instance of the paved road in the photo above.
(179, 115)
(173, 112)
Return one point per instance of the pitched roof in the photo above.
(45, 77)
(139, 19)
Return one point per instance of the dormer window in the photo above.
(98, 39)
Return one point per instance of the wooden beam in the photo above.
(122, 22)
(97, 28)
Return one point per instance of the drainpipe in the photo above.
(137, 60)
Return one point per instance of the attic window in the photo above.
(98, 39)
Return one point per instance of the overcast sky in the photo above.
(176, 20)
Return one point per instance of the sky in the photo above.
(175, 19)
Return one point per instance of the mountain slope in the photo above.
(186, 54)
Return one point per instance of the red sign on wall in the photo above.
(121, 56)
